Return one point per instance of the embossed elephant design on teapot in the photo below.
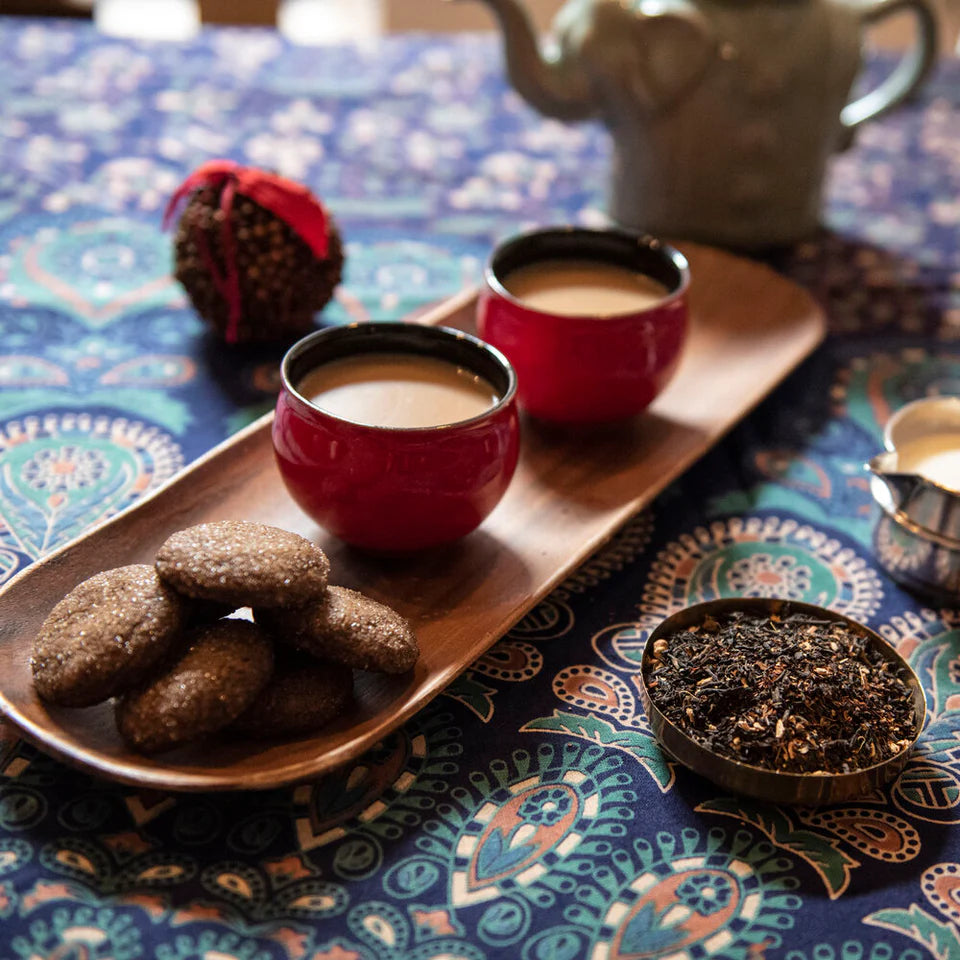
(723, 112)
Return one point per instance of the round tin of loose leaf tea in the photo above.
(783, 701)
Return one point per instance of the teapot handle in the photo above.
(909, 73)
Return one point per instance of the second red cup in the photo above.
(593, 321)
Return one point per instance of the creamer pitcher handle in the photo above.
(910, 72)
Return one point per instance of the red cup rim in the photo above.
(591, 239)
(404, 338)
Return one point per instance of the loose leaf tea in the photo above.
(793, 694)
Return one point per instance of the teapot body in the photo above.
(723, 113)
(738, 157)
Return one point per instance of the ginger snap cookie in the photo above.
(243, 563)
(302, 696)
(106, 635)
(346, 627)
(224, 668)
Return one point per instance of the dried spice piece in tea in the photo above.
(793, 693)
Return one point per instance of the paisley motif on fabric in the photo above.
(520, 830)
(548, 620)
(554, 617)
(794, 470)
(621, 645)
(877, 833)
(151, 370)
(597, 690)
(84, 933)
(62, 473)
(623, 549)
(696, 897)
(928, 789)
(405, 772)
(25, 371)
(94, 269)
(875, 385)
(941, 886)
(510, 660)
(760, 556)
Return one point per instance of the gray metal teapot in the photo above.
(723, 112)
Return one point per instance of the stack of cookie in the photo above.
(160, 639)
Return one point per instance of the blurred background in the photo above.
(331, 21)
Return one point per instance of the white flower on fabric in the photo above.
(454, 117)
(206, 141)
(551, 135)
(302, 115)
(480, 193)
(90, 117)
(202, 102)
(365, 127)
(171, 101)
(421, 150)
(245, 51)
(44, 153)
(592, 217)
(45, 41)
(290, 156)
(439, 60)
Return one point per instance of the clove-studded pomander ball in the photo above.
(257, 254)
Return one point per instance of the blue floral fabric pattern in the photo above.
(527, 814)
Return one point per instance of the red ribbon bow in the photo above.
(290, 201)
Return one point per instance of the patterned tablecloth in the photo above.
(526, 814)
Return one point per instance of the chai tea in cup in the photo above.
(397, 390)
(583, 288)
(593, 321)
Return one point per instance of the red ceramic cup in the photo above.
(395, 489)
(587, 368)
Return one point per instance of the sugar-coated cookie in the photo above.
(302, 696)
(243, 563)
(224, 668)
(346, 627)
(106, 635)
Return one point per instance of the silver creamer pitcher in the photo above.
(902, 489)
(723, 112)
(916, 535)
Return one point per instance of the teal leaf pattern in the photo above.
(822, 853)
(473, 694)
(497, 856)
(941, 939)
(645, 932)
(639, 744)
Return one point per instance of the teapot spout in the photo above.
(548, 80)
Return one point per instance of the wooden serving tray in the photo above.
(749, 328)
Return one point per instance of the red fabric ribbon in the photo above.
(290, 201)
